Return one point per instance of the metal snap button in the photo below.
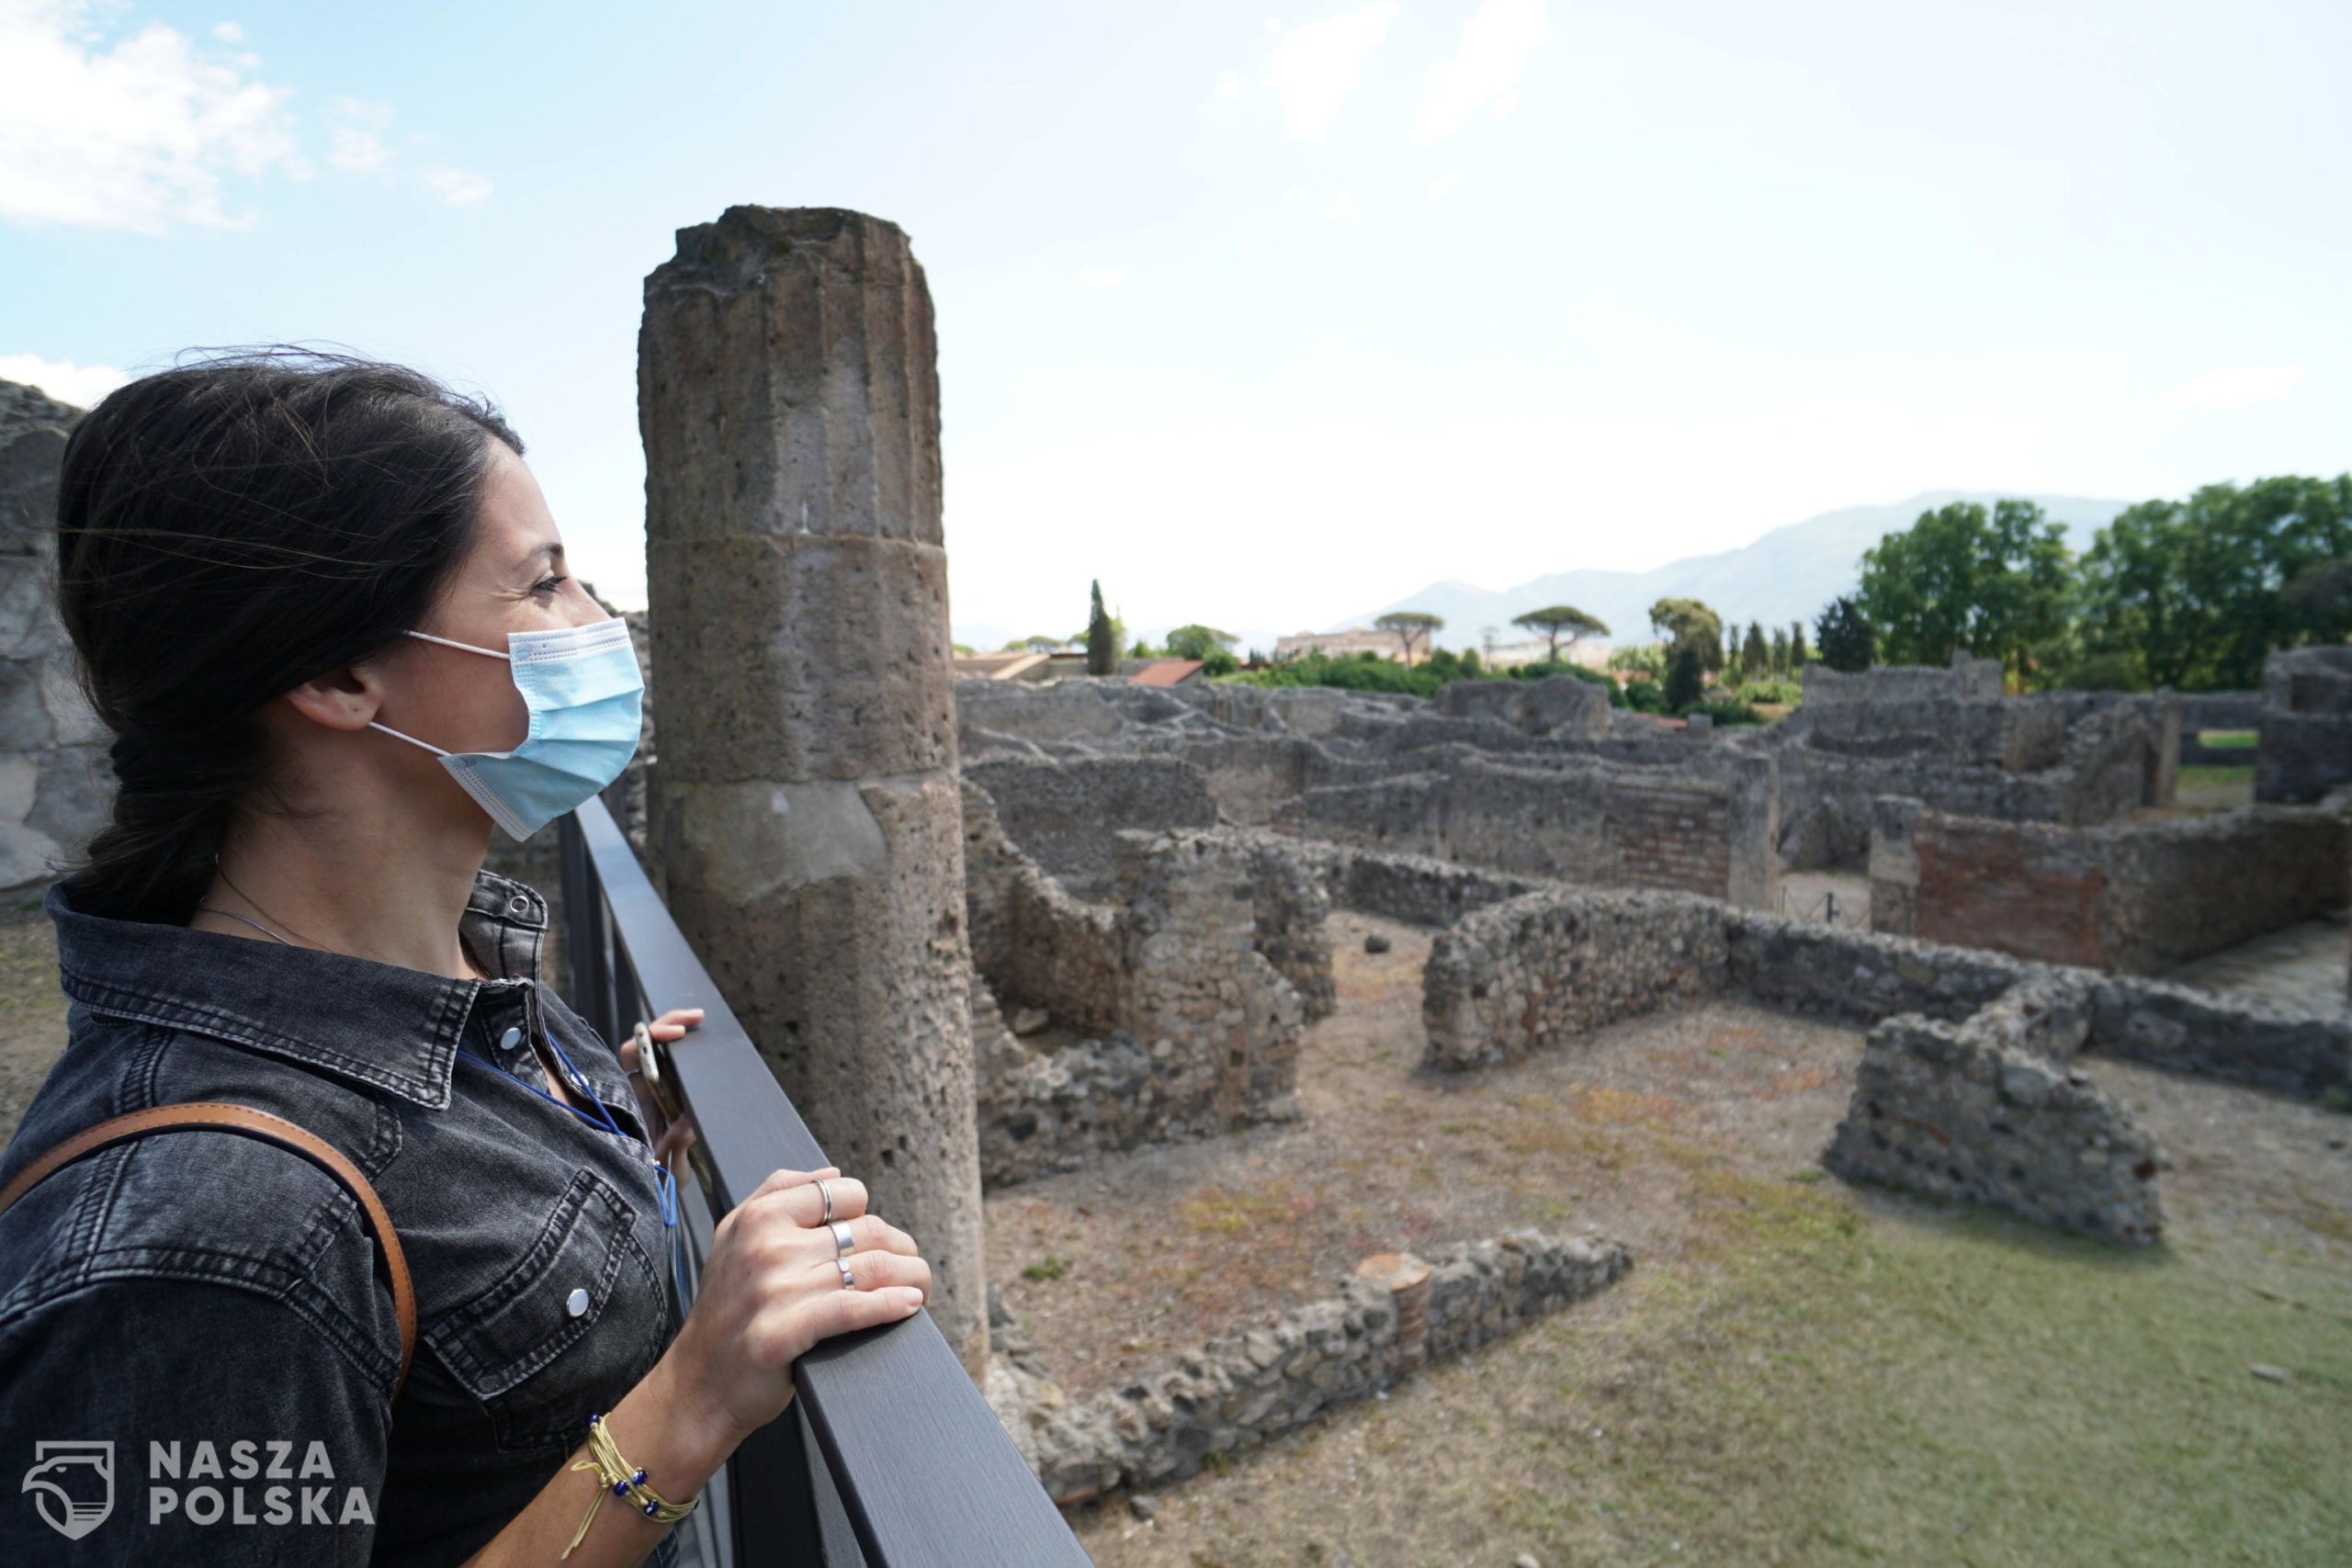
(512, 1038)
(518, 905)
(576, 1304)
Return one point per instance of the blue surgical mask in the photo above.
(584, 693)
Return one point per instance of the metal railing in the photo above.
(888, 1457)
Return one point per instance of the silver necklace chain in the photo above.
(231, 914)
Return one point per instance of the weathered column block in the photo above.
(805, 804)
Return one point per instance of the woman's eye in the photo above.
(549, 584)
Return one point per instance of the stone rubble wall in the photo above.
(1988, 1112)
(1532, 972)
(1063, 813)
(56, 782)
(1542, 969)
(1964, 679)
(1189, 993)
(2075, 759)
(1033, 942)
(1578, 819)
(2136, 899)
(2235, 1040)
(2305, 749)
(1241, 1389)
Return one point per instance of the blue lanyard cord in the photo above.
(665, 1184)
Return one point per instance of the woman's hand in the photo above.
(770, 1290)
(680, 1134)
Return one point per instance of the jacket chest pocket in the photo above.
(566, 1331)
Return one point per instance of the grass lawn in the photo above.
(2215, 778)
(1873, 1382)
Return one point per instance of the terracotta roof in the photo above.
(1167, 672)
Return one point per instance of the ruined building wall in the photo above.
(1065, 813)
(1187, 993)
(2305, 748)
(56, 785)
(1578, 821)
(2136, 899)
(1988, 1112)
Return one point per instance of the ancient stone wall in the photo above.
(1988, 1112)
(2072, 758)
(1541, 969)
(2237, 1040)
(2136, 898)
(1573, 819)
(56, 785)
(1965, 680)
(1186, 995)
(2305, 748)
(1240, 1389)
(1064, 813)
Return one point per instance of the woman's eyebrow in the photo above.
(530, 557)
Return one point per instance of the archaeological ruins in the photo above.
(992, 932)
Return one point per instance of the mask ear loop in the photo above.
(469, 648)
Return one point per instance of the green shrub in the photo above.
(1772, 689)
(1725, 710)
(1644, 696)
(2101, 672)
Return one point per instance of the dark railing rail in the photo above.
(888, 1457)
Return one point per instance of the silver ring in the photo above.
(827, 1194)
(843, 1242)
(849, 1280)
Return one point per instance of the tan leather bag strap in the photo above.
(219, 1116)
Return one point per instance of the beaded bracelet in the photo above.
(616, 1476)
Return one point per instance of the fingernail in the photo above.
(911, 1296)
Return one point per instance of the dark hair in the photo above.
(227, 530)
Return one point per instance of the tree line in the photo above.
(2192, 594)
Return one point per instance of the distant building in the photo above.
(1340, 645)
(1167, 672)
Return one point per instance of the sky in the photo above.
(1263, 316)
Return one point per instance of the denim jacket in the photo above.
(198, 1349)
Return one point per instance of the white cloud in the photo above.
(1342, 207)
(228, 32)
(457, 187)
(136, 136)
(358, 151)
(80, 385)
(1496, 43)
(1444, 183)
(2237, 385)
(1101, 277)
(1228, 85)
(1315, 67)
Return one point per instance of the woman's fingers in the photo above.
(673, 1024)
(778, 1181)
(806, 1206)
(679, 1135)
(878, 1272)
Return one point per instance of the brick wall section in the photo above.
(2133, 898)
(1670, 837)
(2014, 887)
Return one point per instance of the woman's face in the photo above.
(513, 579)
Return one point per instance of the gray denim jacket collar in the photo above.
(376, 1025)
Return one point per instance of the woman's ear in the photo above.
(340, 699)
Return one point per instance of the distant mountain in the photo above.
(1790, 574)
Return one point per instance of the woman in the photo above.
(324, 608)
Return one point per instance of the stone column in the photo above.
(805, 802)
